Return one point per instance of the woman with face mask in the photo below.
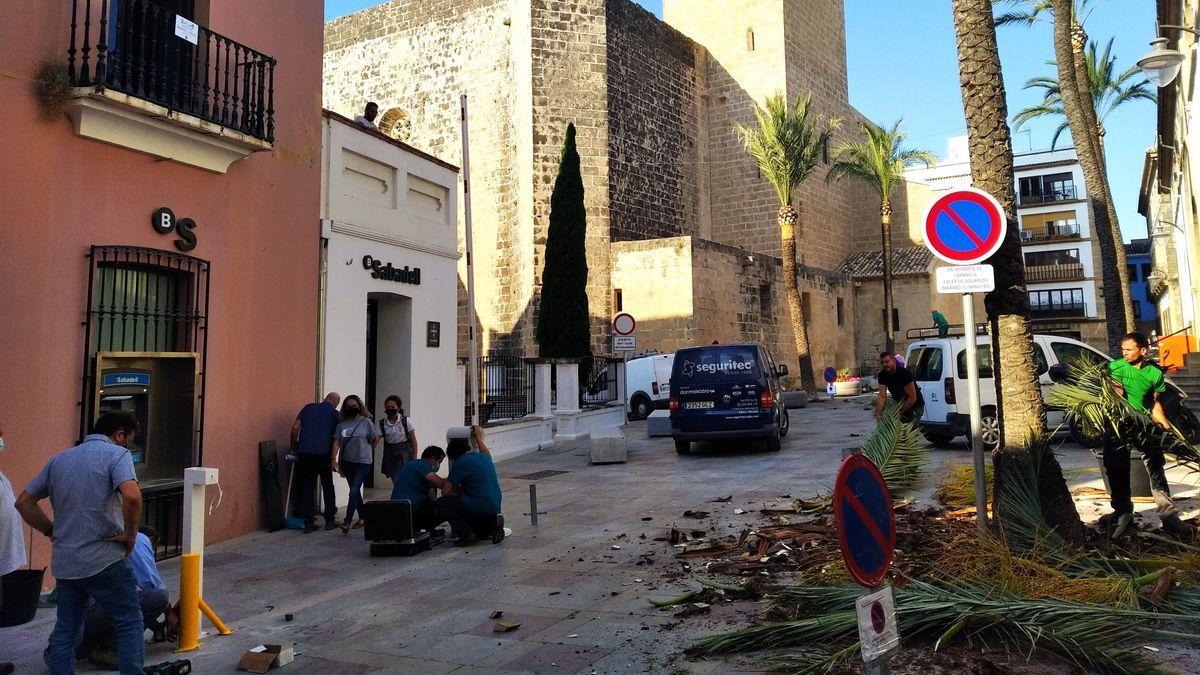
(354, 444)
(399, 437)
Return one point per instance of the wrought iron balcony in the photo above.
(1061, 194)
(1035, 274)
(146, 51)
(1045, 233)
(1058, 311)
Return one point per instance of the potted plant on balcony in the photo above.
(847, 383)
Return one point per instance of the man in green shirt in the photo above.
(1140, 382)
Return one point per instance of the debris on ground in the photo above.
(505, 626)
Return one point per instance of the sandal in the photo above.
(358, 524)
(345, 527)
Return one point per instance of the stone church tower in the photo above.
(681, 227)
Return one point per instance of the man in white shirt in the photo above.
(12, 544)
(367, 119)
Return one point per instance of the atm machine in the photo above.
(159, 388)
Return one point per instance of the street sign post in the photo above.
(878, 634)
(830, 376)
(964, 228)
(862, 509)
(623, 326)
(866, 526)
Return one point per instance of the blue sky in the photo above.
(902, 63)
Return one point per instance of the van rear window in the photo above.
(717, 364)
(925, 364)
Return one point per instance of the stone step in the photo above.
(1191, 359)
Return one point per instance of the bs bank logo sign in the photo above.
(690, 368)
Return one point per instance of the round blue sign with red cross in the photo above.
(965, 226)
(862, 509)
(830, 375)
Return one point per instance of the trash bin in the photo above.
(21, 591)
(1139, 478)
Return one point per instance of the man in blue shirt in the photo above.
(312, 440)
(153, 599)
(97, 507)
(474, 508)
(416, 480)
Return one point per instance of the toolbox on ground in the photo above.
(389, 528)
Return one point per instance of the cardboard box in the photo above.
(262, 658)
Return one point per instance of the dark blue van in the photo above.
(726, 391)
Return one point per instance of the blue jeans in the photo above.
(115, 590)
(356, 473)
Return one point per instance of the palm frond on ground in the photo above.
(1086, 635)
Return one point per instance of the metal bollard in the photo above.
(533, 511)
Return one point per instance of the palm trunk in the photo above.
(1020, 410)
(885, 226)
(1069, 42)
(788, 218)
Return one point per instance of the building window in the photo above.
(1054, 187)
(806, 306)
(1058, 302)
(1068, 256)
(1131, 269)
(764, 301)
(825, 152)
(841, 312)
(895, 317)
(1145, 270)
(618, 304)
(749, 39)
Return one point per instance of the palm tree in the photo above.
(1109, 91)
(880, 160)
(1021, 414)
(1079, 107)
(787, 144)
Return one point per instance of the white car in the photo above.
(648, 381)
(940, 368)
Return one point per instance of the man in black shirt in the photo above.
(900, 383)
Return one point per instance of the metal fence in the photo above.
(138, 47)
(598, 381)
(506, 388)
(162, 509)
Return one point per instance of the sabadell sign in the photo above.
(387, 272)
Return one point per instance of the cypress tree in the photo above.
(563, 329)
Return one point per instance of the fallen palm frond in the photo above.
(958, 488)
(898, 450)
(1090, 397)
(1090, 636)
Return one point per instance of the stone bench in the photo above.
(608, 446)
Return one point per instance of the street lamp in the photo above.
(1161, 65)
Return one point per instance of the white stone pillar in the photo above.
(566, 413)
(543, 392)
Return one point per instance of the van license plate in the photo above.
(697, 405)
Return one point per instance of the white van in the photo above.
(648, 381)
(940, 368)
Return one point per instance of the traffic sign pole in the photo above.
(968, 300)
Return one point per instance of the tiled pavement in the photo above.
(574, 581)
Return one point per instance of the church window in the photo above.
(396, 123)
(749, 39)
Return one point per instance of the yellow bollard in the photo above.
(189, 602)
(216, 620)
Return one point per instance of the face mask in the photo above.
(391, 412)
(352, 411)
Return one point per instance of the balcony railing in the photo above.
(1063, 194)
(135, 47)
(1042, 273)
(1059, 311)
(1045, 233)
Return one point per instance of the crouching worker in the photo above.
(99, 638)
(416, 482)
(474, 508)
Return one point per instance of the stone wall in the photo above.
(687, 291)
(655, 106)
(915, 298)
(420, 58)
(568, 47)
